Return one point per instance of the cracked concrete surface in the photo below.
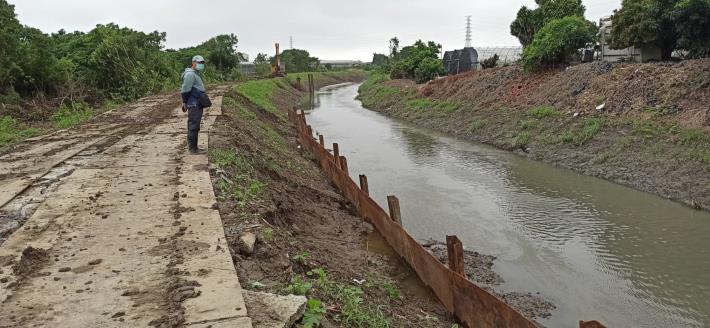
(116, 226)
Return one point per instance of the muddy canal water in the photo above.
(597, 250)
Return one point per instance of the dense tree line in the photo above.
(555, 30)
(108, 62)
(419, 61)
(667, 24)
(297, 60)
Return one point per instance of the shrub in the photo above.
(490, 62)
(68, 116)
(557, 41)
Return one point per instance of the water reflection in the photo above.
(596, 249)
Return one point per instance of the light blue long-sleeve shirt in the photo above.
(191, 79)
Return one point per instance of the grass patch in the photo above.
(689, 136)
(541, 112)
(355, 312)
(580, 135)
(260, 92)
(429, 104)
(12, 131)
(477, 124)
(521, 140)
(528, 124)
(68, 116)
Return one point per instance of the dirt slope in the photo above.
(642, 125)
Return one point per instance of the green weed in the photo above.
(314, 314)
(298, 286)
(688, 136)
(580, 135)
(521, 140)
(391, 290)
(354, 311)
(12, 131)
(541, 112)
(267, 234)
(301, 258)
(529, 124)
(477, 124)
(223, 157)
(69, 116)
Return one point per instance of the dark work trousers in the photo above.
(194, 117)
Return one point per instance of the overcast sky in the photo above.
(328, 29)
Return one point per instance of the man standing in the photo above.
(192, 89)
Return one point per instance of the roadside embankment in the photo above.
(646, 126)
(290, 232)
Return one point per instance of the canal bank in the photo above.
(290, 232)
(646, 126)
(595, 249)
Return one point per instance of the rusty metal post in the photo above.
(321, 139)
(309, 130)
(363, 184)
(455, 252)
(344, 164)
(395, 214)
(303, 121)
(336, 154)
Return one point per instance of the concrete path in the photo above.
(116, 226)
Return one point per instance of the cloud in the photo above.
(329, 29)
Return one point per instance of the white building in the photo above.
(631, 54)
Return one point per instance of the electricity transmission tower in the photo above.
(290, 41)
(468, 32)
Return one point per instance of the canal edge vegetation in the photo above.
(269, 188)
(585, 118)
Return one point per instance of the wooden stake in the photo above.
(363, 184)
(344, 164)
(336, 154)
(393, 204)
(455, 252)
(321, 139)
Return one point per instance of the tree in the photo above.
(394, 47)
(221, 51)
(9, 32)
(261, 58)
(379, 59)
(645, 22)
(490, 62)
(297, 60)
(529, 21)
(557, 40)
(692, 19)
(419, 61)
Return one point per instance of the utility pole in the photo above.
(468, 32)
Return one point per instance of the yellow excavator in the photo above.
(276, 69)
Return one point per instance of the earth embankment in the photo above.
(646, 126)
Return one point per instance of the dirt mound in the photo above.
(30, 261)
(619, 89)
